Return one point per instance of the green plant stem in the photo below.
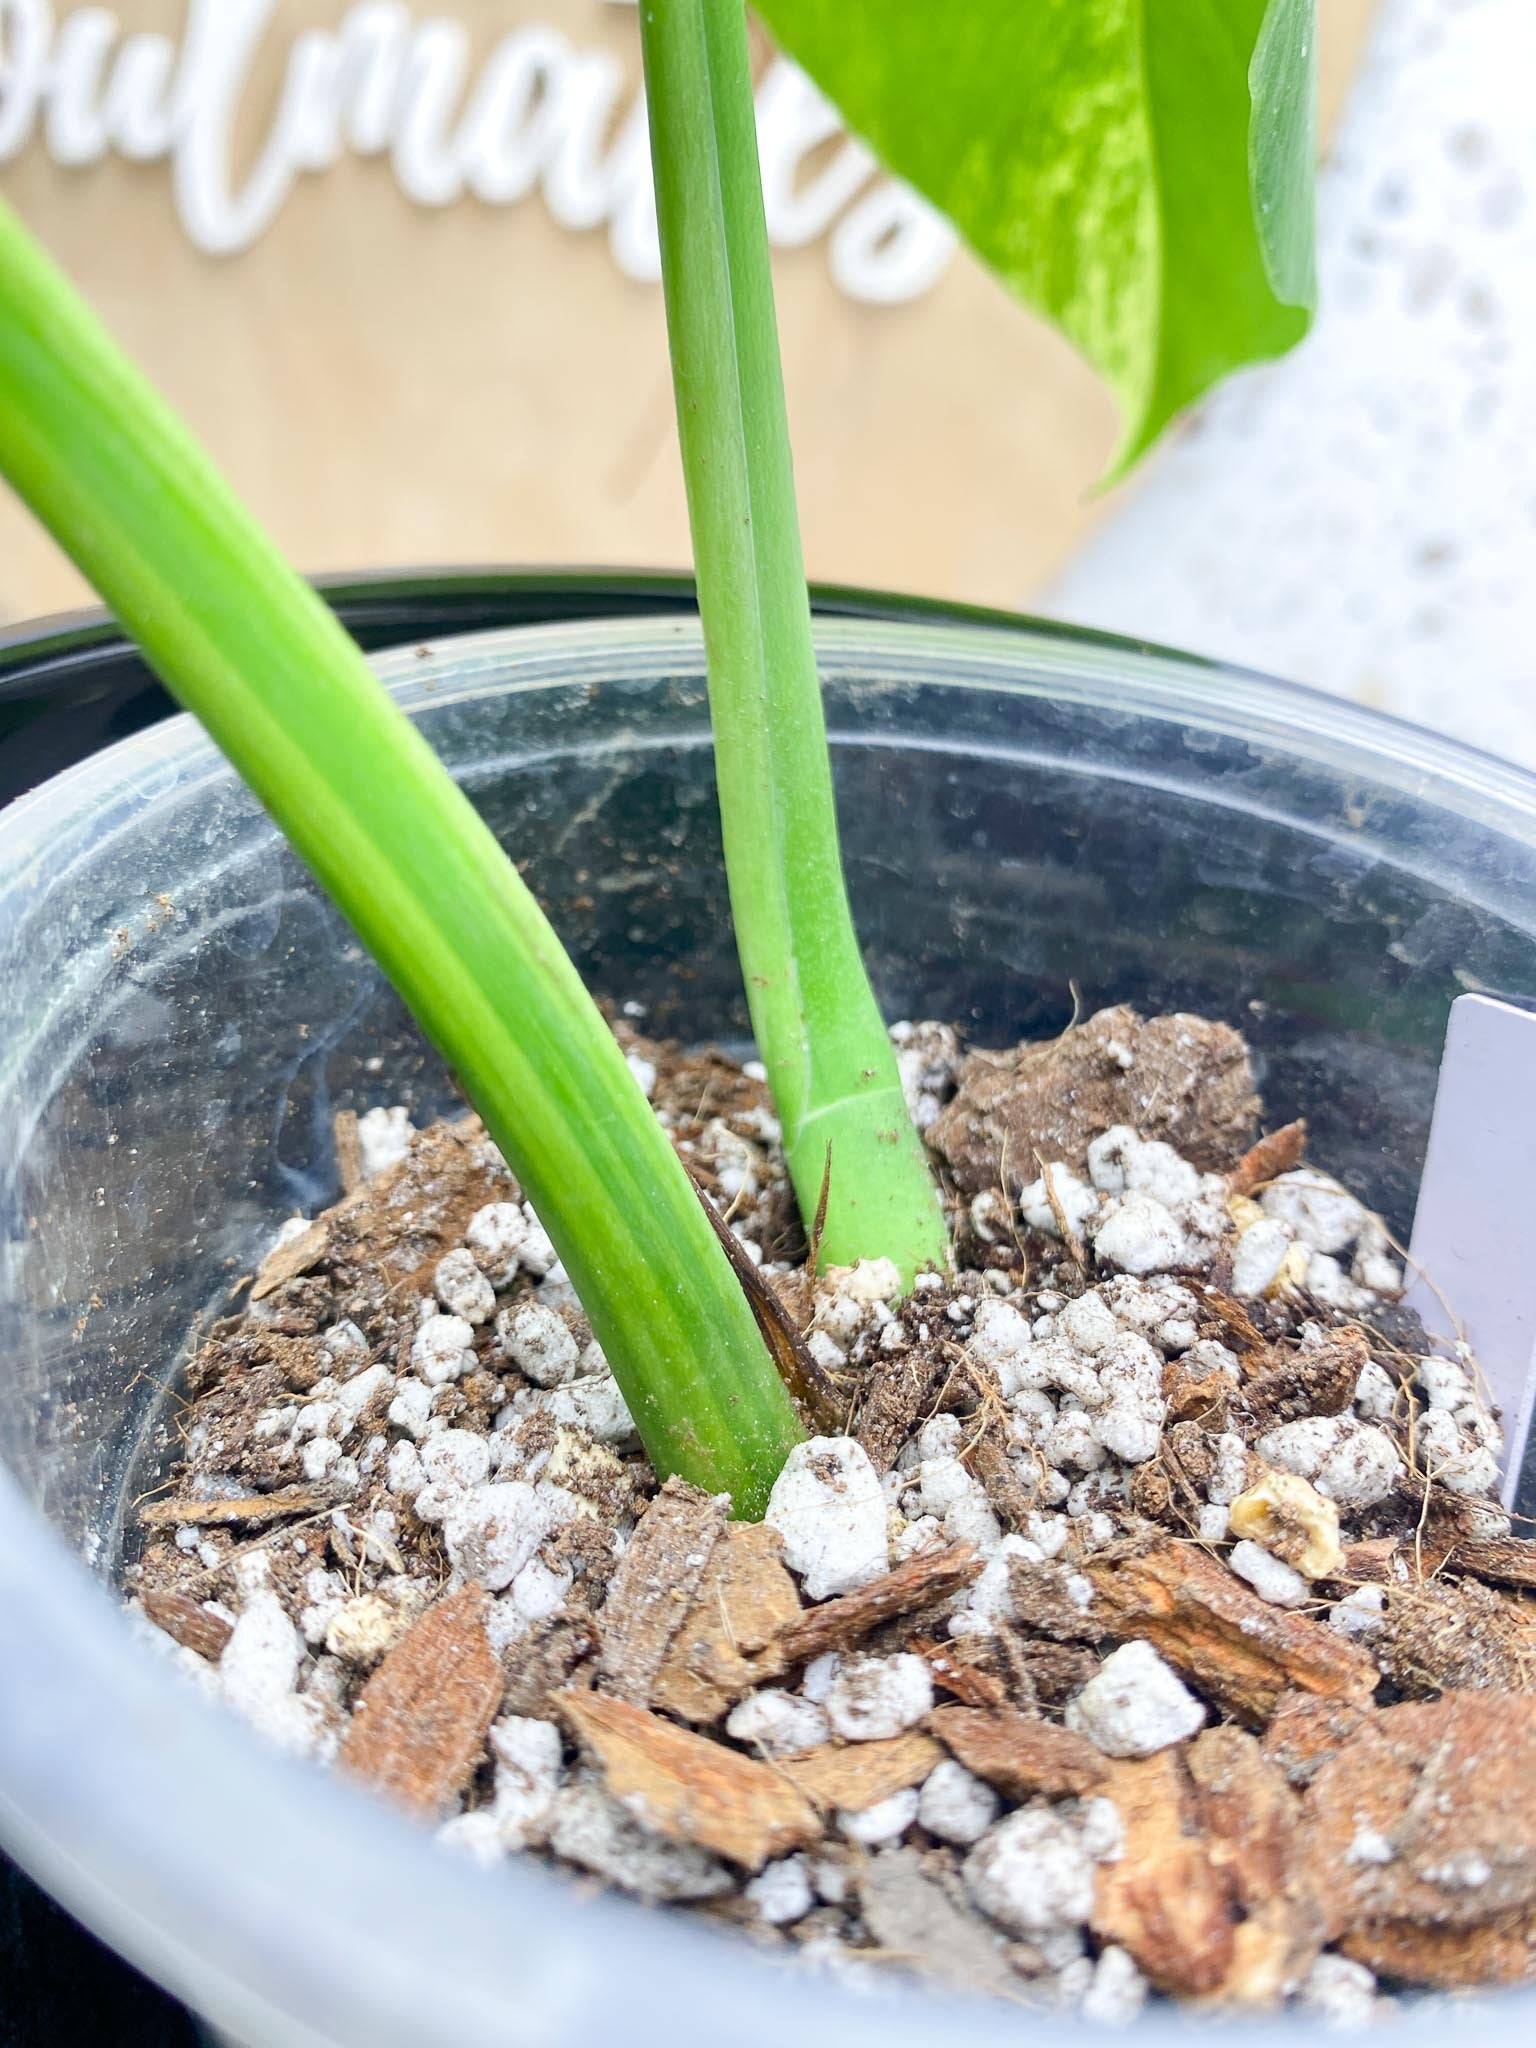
(818, 1029)
(246, 645)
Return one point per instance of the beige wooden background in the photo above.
(391, 384)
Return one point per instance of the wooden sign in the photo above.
(397, 264)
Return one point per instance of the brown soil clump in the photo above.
(1180, 1078)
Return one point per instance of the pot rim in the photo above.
(371, 603)
(1225, 702)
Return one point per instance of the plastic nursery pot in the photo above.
(181, 1015)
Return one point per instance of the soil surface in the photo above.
(1140, 1620)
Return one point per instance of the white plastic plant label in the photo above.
(1473, 1253)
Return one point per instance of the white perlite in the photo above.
(412, 1407)
(954, 1806)
(1270, 1577)
(258, 1671)
(829, 1507)
(1314, 1209)
(1118, 1991)
(383, 1138)
(1121, 1162)
(940, 1483)
(1460, 1452)
(444, 1348)
(1134, 1704)
(592, 1403)
(1261, 1252)
(778, 1723)
(885, 1821)
(867, 1281)
(1138, 1235)
(1359, 1613)
(999, 1337)
(1106, 1158)
(781, 1892)
(456, 1458)
(491, 1532)
(1058, 1189)
(538, 1343)
(354, 1395)
(1229, 1469)
(927, 1059)
(988, 1601)
(1352, 1463)
(462, 1288)
(346, 1347)
(1130, 1425)
(1444, 1383)
(528, 1771)
(1342, 1993)
(362, 1630)
(1370, 1846)
(318, 1456)
(972, 1521)
(1089, 1325)
(872, 1698)
(1033, 1872)
(475, 1836)
(644, 1071)
(496, 1235)
(816, 1679)
(538, 1591)
(538, 1253)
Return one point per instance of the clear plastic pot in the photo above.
(181, 1015)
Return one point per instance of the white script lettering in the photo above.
(541, 116)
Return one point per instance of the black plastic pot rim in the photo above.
(380, 607)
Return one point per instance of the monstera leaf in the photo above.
(1138, 171)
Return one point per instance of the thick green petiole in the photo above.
(818, 1029)
(245, 644)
